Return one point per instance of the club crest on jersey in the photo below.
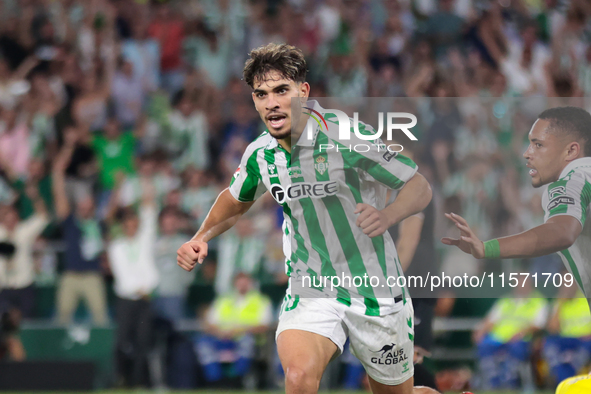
(272, 169)
(321, 165)
(294, 172)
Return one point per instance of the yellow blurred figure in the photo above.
(576, 385)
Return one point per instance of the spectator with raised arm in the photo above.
(131, 258)
(13, 84)
(82, 278)
(17, 269)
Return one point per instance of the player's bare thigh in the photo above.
(304, 356)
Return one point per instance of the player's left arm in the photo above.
(558, 233)
(413, 197)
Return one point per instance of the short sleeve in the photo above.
(570, 195)
(246, 184)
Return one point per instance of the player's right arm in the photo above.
(557, 234)
(246, 186)
(566, 204)
(224, 213)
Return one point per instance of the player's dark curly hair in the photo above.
(570, 120)
(288, 60)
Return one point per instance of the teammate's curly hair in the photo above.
(570, 120)
(288, 60)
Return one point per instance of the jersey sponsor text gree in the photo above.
(295, 191)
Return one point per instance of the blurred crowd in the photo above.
(525, 341)
(121, 121)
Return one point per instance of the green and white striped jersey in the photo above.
(319, 190)
(571, 195)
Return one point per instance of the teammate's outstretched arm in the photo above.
(414, 196)
(224, 213)
(558, 233)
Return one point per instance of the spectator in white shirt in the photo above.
(17, 270)
(131, 258)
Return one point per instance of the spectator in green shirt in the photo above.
(115, 151)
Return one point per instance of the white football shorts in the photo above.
(383, 344)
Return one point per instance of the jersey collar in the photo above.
(274, 146)
(273, 143)
(583, 161)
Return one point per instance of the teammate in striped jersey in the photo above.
(335, 223)
(558, 156)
